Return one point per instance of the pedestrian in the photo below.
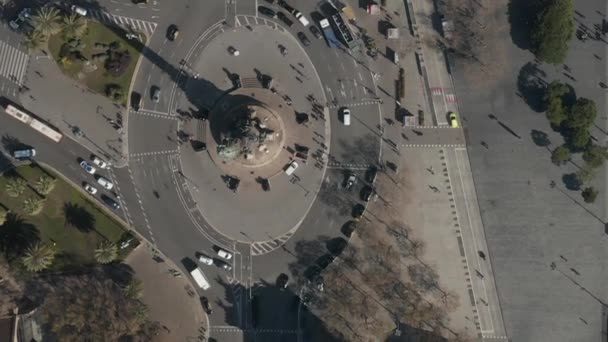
(482, 255)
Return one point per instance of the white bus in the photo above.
(200, 279)
(38, 125)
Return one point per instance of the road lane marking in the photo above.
(155, 153)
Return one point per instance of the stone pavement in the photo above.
(172, 301)
(65, 104)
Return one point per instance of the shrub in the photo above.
(117, 63)
(589, 195)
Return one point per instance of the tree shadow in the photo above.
(16, 235)
(522, 16)
(540, 138)
(78, 217)
(531, 86)
(571, 181)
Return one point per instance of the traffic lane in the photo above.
(149, 11)
(151, 133)
(359, 143)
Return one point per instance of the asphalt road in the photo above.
(548, 246)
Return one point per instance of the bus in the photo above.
(34, 123)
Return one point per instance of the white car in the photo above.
(102, 164)
(291, 168)
(224, 254)
(205, 260)
(105, 183)
(87, 167)
(346, 116)
(79, 10)
(90, 189)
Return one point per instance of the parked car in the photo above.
(90, 189)
(136, 101)
(105, 183)
(315, 32)
(99, 162)
(453, 120)
(155, 93)
(79, 10)
(287, 7)
(301, 18)
(198, 146)
(205, 260)
(267, 11)
(110, 202)
(291, 168)
(206, 305)
(370, 174)
(346, 116)
(224, 265)
(224, 254)
(172, 32)
(137, 2)
(350, 181)
(282, 281)
(367, 193)
(24, 154)
(87, 167)
(303, 38)
(284, 19)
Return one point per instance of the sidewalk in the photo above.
(172, 301)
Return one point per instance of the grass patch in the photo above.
(97, 80)
(75, 238)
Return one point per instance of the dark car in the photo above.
(137, 2)
(223, 264)
(267, 11)
(206, 305)
(282, 281)
(315, 32)
(136, 100)
(155, 93)
(287, 7)
(370, 174)
(265, 184)
(367, 193)
(303, 38)
(110, 202)
(358, 211)
(198, 146)
(284, 19)
(172, 32)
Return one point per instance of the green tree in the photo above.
(582, 114)
(595, 155)
(45, 185)
(553, 98)
(580, 137)
(38, 257)
(585, 174)
(553, 31)
(589, 194)
(560, 155)
(34, 40)
(106, 252)
(46, 21)
(33, 205)
(73, 25)
(134, 289)
(15, 186)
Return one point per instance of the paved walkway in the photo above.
(171, 300)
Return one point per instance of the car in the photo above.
(291, 168)
(287, 7)
(301, 18)
(284, 19)
(87, 167)
(205, 259)
(315, 32)
(370, 174)
(267, 11)
(346, 116)
(172, 32)
(223, 265)
(137, 2)
(155, 93)
(303, 38)
(206, 305)
(79, 10)
(282, 281)
(136, 101)
(110, 202)
(265, 184)
(90, 189)
(367, 193)
(350, 181)
(453, 120)
(198, 146)
(105, 183)
(99, 162)
(24, 154)
(224, 254)
(358, 211)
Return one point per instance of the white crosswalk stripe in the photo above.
(125, 22)
(13, 63)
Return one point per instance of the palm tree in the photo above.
(32, 205)
(34, 40)
(15, 186)
(73, 25)
(134, 289)
(106, 252)
(38, 257)
(46, 21)
(45, 185)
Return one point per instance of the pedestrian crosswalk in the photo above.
(13, 63)
(130, 24)
(263, 247)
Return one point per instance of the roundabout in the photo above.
(257, 112)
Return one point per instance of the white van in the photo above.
(301, 18)
(200, 279)
(79, 10)
(346, 116)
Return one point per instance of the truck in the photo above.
(328, 32)
(200, 278)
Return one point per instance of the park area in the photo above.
(39, 207)
(99, 57)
